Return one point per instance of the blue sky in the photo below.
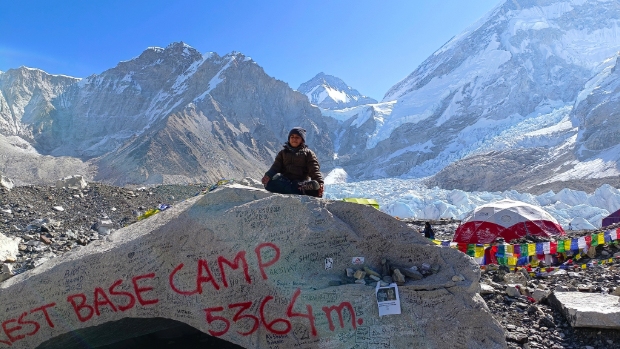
(371, 45)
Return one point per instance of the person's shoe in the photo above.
(309, 185)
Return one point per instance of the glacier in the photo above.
(409, 198)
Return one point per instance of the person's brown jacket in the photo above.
(296, 164)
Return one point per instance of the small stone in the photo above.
(360, 281)
(350, 272)
(4, 276)
(371, 272)
(516, 337)
(385, 266)
(546, 321)
(540, 295)
(486, 289)
(375, 278)
(412, 273)
(398, 278)
(521, 305)
(334, 283)
(515, 278)
(45, 240)
(458, 278)
(7, 269)
(512, 291)
(58, 208)
(360, 274)
(585, 288)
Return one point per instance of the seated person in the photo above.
(296, 169)
(428, 231)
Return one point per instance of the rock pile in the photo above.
(52, 220)
(521, 303)
(524, 304)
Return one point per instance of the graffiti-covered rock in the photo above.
(260, 270)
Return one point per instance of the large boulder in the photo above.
(6, 182)
(259, 270)
(594, 310)
(72, 182)
(8, 248)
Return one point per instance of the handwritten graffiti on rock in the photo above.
(205, 275)
(85, 311)
(220, 325)
(26, 324)
(244, 317)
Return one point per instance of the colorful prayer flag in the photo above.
(561, 246)
(574, 245)
(601, 238)
(581, 242)
(539, 248)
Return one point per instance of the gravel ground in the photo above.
(51, 221)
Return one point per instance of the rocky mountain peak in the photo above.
(330, 92)
(178, 56)
(26, 95)
(502, 92)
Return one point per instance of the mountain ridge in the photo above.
(122, 120)
(516, 101)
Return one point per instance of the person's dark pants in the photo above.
(282, 185)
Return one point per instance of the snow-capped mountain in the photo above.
(504, 104)
(330, 92)
(26, 96)
(169, 115)
(524, 99)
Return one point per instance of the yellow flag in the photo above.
(512, 261)
(479, 251)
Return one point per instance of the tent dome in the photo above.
(508, 219)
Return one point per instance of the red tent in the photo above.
(611, 219)
(507, 219)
